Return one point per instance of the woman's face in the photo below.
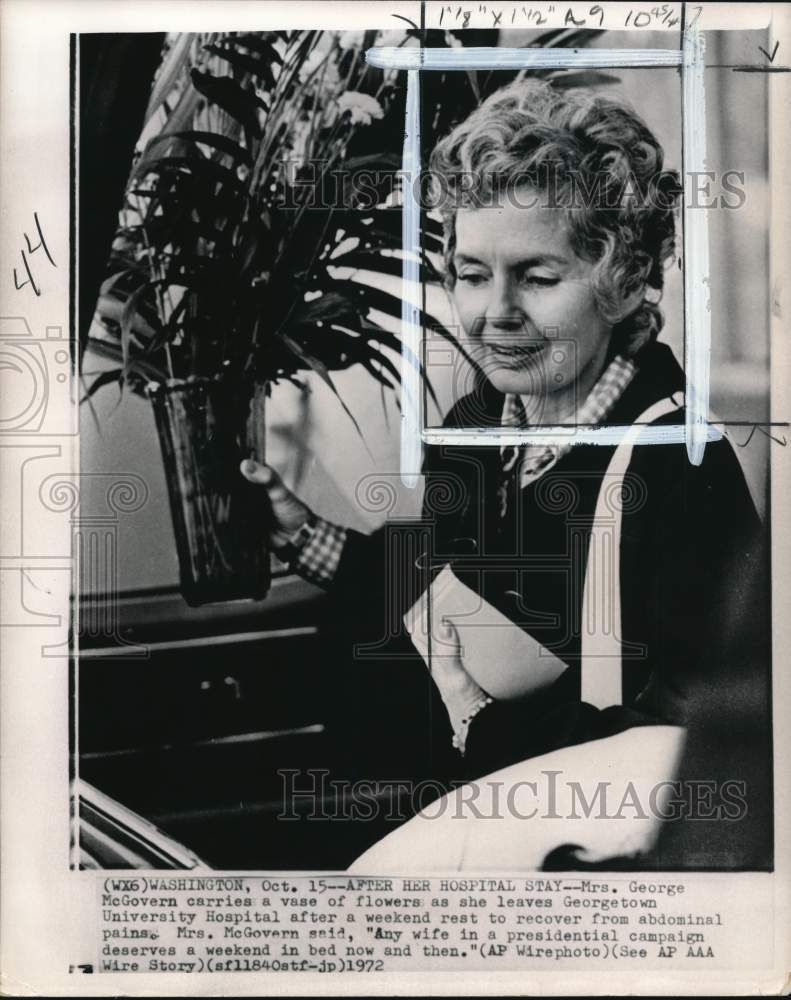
(526, 303)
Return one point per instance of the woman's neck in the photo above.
(562, 405)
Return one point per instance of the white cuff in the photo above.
(460, 732)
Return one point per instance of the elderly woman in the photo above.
(559, 221)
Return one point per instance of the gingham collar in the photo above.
(601, 399)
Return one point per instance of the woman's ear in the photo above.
(633, 291)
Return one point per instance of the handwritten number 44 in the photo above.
(41, 245)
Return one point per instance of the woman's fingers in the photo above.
(449, 652)
(289, 511)
(456, 686)
(449, 633)
(265, 475)
(254, 472)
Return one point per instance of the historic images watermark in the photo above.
(311, 795)
(317, 185)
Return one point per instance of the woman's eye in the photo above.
(472, 278)
(543, 281)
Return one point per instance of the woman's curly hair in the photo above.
(601, 164)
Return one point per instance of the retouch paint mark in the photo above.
(411, 439)
(697, 299)
(697, 306)
(550, 58)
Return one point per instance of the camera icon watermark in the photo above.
(36, 369)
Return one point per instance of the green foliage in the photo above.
(263, 183)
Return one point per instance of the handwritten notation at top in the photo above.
(652, 17)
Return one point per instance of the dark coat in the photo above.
(694, 609)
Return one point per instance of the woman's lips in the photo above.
(517, 352)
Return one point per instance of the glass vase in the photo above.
(206, 427)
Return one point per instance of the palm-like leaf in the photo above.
(226, 258)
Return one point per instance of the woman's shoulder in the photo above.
(715, 490)
(665, 463)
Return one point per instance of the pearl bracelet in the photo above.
(460, 736)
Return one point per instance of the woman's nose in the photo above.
(503, 310)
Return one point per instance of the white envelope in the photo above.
(504, 660)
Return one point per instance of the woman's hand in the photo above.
(461, 694)
(288, 512)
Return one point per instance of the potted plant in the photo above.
(265, 182)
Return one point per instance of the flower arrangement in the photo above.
(237, 247)
(264, 185)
